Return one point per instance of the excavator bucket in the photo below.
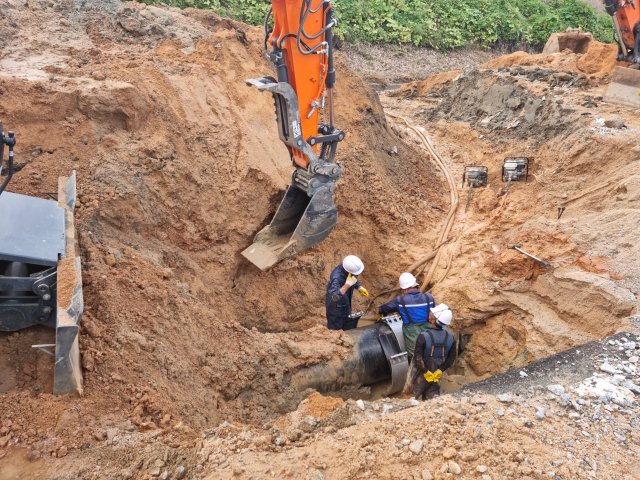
(624, 88)
(572, 39)
(300, 222)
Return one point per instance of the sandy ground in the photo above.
(179, 166)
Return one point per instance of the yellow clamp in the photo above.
(379, 317)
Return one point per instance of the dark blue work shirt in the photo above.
(338, 304)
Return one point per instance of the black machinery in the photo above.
(37, 243)
(476, 176)
(379, 354)
(515, 169)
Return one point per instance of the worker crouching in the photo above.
(435, 352)
(414, 307)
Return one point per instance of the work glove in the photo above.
(363, 292)
(380, 316)
(428, 376)
(351, 280)
(437, 375)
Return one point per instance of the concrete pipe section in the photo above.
(379, 354)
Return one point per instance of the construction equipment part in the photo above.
(302, 52)
(516, 246)
(626, 21)
(514, 169)
(379, 354)
(572, 39)
(40, 277)
(476, 176)
(624, 88)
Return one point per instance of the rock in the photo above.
(98, 75)
(574, 416)
(454, 468)
(4, 441)
(319, 475)
(293, 347)
(391, 426)
(180, 471)
(360, 404)
(500, 413)
(99, 436)
(279, 441)
(164, 476)
(486, 477)
(147, 426)
(426, 475)
(556, 389)
(564, 400)
(64, 22)
(633, 359)
(110, 259)
(126, 474)
(523, 373)
(413, 402)
(631, 386)
(504, 398)
(479, 401)
(615, 121)
(605, 367)
(449, 453)
(416, 447)
(481, 468)
(155, 472)
(111, 432)
(540, 413)
(62, 452)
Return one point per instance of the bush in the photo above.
(441, 24)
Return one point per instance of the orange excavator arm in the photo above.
(301, 49)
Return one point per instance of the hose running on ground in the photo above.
(454, 203)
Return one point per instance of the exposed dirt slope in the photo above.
(179, 165)
(511, 309)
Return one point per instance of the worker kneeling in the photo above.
(435, 352)
(414, 307)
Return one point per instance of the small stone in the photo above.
(574, 416)
(486, 477)
(111, 432)
(360, 404)
(127, 474)
(280, 441)
(556, 389)
(416, 447)
(523, 373)
(504, 398)
(540, 413)
(64, 22)
(605, 367)
(391, 426)
(319, 475)
(528, 424)
(449, 453)
(426, 475)
(479, 401)
(481, 468)
(62, 452)
(500, 413)
(164, 476)
(633, 359)
(454, 468)
(155, 472)
(615, 121)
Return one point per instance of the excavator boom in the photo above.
(302, 52)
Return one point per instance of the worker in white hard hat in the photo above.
(342, 282)
(435, 352)
(413, 306)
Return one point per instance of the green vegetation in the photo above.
(442, 24)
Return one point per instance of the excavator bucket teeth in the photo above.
(299, 223)
(572, 39)
(624, 88)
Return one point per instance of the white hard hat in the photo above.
(407, 280)
(442, 313)
(353, 265)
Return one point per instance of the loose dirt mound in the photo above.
(599, 60)
(319, 406)
(179, 165)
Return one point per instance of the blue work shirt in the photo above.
(338, 304)
(419, 305)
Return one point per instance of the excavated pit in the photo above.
(179, 166)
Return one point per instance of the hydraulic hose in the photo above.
(452, 211)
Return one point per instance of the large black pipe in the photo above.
(366, 363)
